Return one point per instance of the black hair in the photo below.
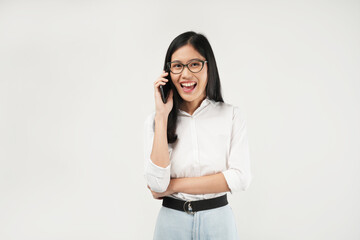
(213, 86)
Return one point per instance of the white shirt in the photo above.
(212, 140)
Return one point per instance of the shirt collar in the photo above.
(203, 104)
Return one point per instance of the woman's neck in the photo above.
(190, 107)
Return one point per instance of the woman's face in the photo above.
(184, 55)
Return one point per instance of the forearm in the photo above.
(214, 183)
(160, 153)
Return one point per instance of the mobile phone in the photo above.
(165, 89)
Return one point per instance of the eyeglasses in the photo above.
(194, 66)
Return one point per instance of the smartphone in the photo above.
(165, 89)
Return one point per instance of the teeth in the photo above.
(188, 84)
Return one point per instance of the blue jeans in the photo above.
(213, 224)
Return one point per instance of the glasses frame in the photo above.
(186, 65)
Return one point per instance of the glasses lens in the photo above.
(195, 66)
(176, 67)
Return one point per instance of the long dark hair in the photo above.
(213, 87)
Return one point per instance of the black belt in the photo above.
(191, 207)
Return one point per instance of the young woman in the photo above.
(196, 147)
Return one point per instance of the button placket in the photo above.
(195, 145)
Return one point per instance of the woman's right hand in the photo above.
(161, 107)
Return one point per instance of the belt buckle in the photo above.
(189, 207)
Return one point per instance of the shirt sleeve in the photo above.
(238, 175)
(158, 178)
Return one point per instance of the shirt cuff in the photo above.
(236, 181)
(158, 178)
(157, 171)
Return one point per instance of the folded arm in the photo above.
(214, 183)
(156, 153)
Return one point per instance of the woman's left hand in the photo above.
(160, 196)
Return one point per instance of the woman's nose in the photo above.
(186, 72)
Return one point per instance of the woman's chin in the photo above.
(188, 98)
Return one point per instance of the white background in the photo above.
(76, 83)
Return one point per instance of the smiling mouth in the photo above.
(188, 88)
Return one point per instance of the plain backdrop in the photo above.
(76, 83)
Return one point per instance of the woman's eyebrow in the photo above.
(187, 61)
